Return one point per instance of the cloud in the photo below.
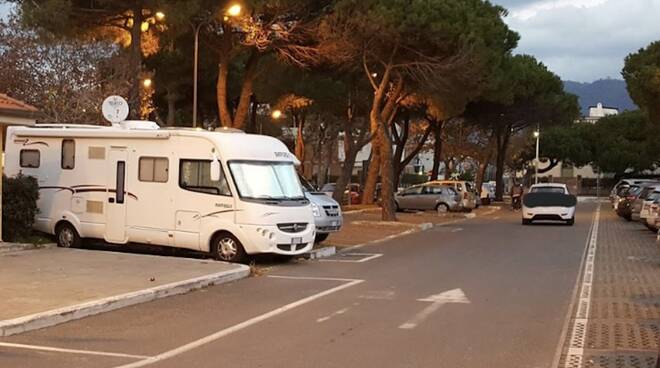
(583, 40)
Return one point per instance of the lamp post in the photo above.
(232, 11)
(537, 135)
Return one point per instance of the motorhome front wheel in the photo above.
(67, 236)
(227, 248)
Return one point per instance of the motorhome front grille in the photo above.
(328, 228)
(293, 227)
(331, 211)
(291, 247)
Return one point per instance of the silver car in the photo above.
(327, 212)
(437, 197)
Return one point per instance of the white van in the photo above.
(223, 192)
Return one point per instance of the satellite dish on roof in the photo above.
(115, 109)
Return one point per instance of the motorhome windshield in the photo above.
(266, 180)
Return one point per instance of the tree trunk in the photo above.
(502, 145)
(299, 120)
(386, 175)
(134, 100)
(246, 90)
(401, 164)
(372, 174)
(437, 148)
(221, 94)
(171, 107)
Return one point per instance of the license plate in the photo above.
(335, 223)
(296, 241)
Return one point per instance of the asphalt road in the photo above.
(494, 294)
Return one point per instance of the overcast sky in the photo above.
(583, 40)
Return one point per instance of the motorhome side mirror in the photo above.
(215, 170)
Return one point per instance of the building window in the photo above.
(195, 175)
(68, 154)
(154, 169)
(30, 158)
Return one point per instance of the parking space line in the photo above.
(71, 351)
(245, 324)
(368, 257)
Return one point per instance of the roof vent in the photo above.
(139, 125)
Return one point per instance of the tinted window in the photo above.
(548, 190)
(30, 158)
(413, 190)
(195, 175)
(68, 154)
(436, 190)
(153, 169)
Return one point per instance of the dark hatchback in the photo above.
(628, 197)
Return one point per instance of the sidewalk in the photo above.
(365, 226)
(616, 322)
(49, 286)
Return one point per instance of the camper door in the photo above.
(115, 221)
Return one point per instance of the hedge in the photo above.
(19, 206)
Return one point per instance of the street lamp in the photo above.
(276, 114)
(147, 83)
(537, 135)
(233, 11)
(160, 16)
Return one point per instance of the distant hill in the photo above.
(611, 92)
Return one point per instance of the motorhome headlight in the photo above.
(316, 210)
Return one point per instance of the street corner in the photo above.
(51, 286)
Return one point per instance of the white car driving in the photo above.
(548, 202)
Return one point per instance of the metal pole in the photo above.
(196, 57)
(536, 164)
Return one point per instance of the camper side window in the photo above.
(195, 175)
(153, 169)
(30, 158)
(68, 154)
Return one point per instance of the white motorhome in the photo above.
(223, 191)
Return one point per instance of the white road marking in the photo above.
(367, 257)
(71, 351)
(252, 321)
(437, 301)
(457, 230)
(333, 314)
(580, 323)
(378, 295)
(496, 218)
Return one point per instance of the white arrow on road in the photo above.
(437, 301)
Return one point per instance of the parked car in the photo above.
(355, 193)
(327, 212)
(619, 196)
(429, 196)
(615, 197)
(624, 208)
(487, 193)
(465, 189)
(653, 219)
(548, 202)
(638, 211)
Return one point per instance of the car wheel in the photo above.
(321, 237)
(571, 222)
(396, 206)
(225, 247)
(441, 208)
(526, 221)
(67, 236)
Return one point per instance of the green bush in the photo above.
(19, 206)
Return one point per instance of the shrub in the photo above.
(19, 206)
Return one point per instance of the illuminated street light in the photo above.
(147, 83)
(234, 10)
(276, 114)
(144, 26)
(160, 16)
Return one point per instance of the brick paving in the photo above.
(622, 328)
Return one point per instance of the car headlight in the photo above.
(316, 210)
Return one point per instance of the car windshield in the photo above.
(328, 188)
(307, 186)
(548, 190)
(653, 196)
(266, 180)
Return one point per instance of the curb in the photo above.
(351, 212)
(70, 313)
(419, 228)
(17, 247)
